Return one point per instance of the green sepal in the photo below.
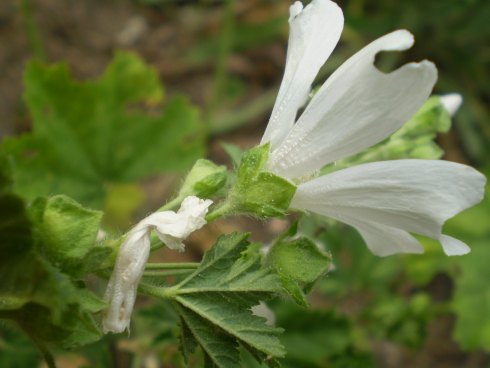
(257, 192)
(299, 262)
(234, 151)
(204, 179)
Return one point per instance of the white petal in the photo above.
(384, 240)
(263, 310)
(123, 285)
(411, 195)
(314, 32)
(453, 247)
(451, 102)
(357, 107)
(173, 227)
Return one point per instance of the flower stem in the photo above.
(173, 203)
(156, 291)
(159, 273)
(172, 266)
(223, 210)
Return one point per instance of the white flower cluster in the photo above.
(172, 228)
(357, 107)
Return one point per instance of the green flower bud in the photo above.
(204, 179)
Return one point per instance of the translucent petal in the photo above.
(357, 107)
(314, 33)
(452, 102)
(411, 195)
(384, 240)
(453, 247)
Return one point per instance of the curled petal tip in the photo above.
(453, 246)
(295, 10)
(452, 102)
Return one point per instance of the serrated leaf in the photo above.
(221, 348)
(215, 301)
(88, 134)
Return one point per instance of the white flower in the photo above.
(357, 107)
(171, 228)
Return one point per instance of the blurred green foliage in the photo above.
(88, 139)
(91, 139)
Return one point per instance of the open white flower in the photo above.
(357, 107)
(171, 228)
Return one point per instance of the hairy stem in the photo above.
(172, 266)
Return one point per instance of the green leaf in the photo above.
(257, 192)
(45, 302)
(90, 134)
(69, 233)
(214, 304)
(299, 262)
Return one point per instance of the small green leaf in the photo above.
(299, 262)
(257, 192)
(204, 179)
(69, 234)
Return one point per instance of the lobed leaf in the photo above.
(214, 304)
(86, 135)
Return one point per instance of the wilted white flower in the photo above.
(357, 107)
(172, 228)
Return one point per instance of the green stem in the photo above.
(32, 31)
(170, 205)
(166, 273)
(157, 291)
(172, 266)
(225, 46)
(220, 212)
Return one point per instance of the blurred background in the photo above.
(227, 59)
